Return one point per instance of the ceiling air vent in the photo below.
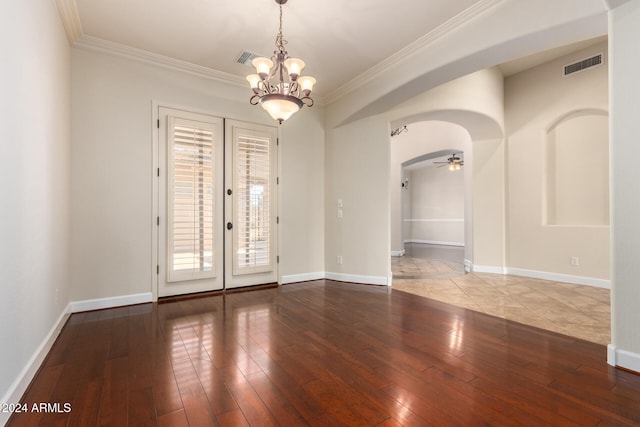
(583, 64)
(246, 57)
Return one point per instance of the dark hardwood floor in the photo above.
(327, 354)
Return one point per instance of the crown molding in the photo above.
(70, 17)
(407, 52)
(612, 4)
(96, 44)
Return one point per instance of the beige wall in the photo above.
(548, 152)
(112, 179)
(489, 205)
(357, 172)
(34, 196)
(302, 231)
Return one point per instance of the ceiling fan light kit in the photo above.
(454, 163)
(278, 85)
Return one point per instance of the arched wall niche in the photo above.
(577, 169)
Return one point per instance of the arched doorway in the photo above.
(433, 223)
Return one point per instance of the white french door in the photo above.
(251, 208)
(215, 229)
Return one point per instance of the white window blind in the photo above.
(191, 201)
(253, 233)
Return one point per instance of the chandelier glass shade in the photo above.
(278, 85)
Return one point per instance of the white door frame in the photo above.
(155, 210)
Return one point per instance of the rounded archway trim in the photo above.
(479, 126)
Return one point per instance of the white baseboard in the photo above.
(488, 269)
(368, 280)
(557, 277)
(100, 303)
(435, 242)
(352, 278)
(22, 381)
(294, 278)
(622, 358)
(398, 253)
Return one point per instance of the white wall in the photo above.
(34, 196)
(625, 211)
(437, 206)
(112, 158)
(535, 100)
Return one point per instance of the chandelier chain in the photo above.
(280, 41)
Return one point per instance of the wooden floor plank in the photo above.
(322, 353)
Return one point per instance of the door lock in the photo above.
(229, 226)
(229, 192)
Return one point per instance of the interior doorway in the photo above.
(433, 216)
(217, 203)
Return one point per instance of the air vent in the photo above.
(583, 64)
(246, 57)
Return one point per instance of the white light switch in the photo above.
(339, 203)
(339, 213)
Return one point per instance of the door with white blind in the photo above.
(251, 204)
(190, 203)
(217, 205)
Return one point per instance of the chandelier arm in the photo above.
(294, 88)
(255, 99)
(264, 87)
(307, 101)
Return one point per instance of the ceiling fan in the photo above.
(454, 162)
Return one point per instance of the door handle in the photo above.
(229, 226)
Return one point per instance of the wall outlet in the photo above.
(339, 259)
(575, 261)
(339, 213)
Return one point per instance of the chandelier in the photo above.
(278, 86)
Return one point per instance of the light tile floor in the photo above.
(574, 310)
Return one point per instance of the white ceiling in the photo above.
(337, 40)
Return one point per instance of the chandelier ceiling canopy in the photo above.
(278, 85)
